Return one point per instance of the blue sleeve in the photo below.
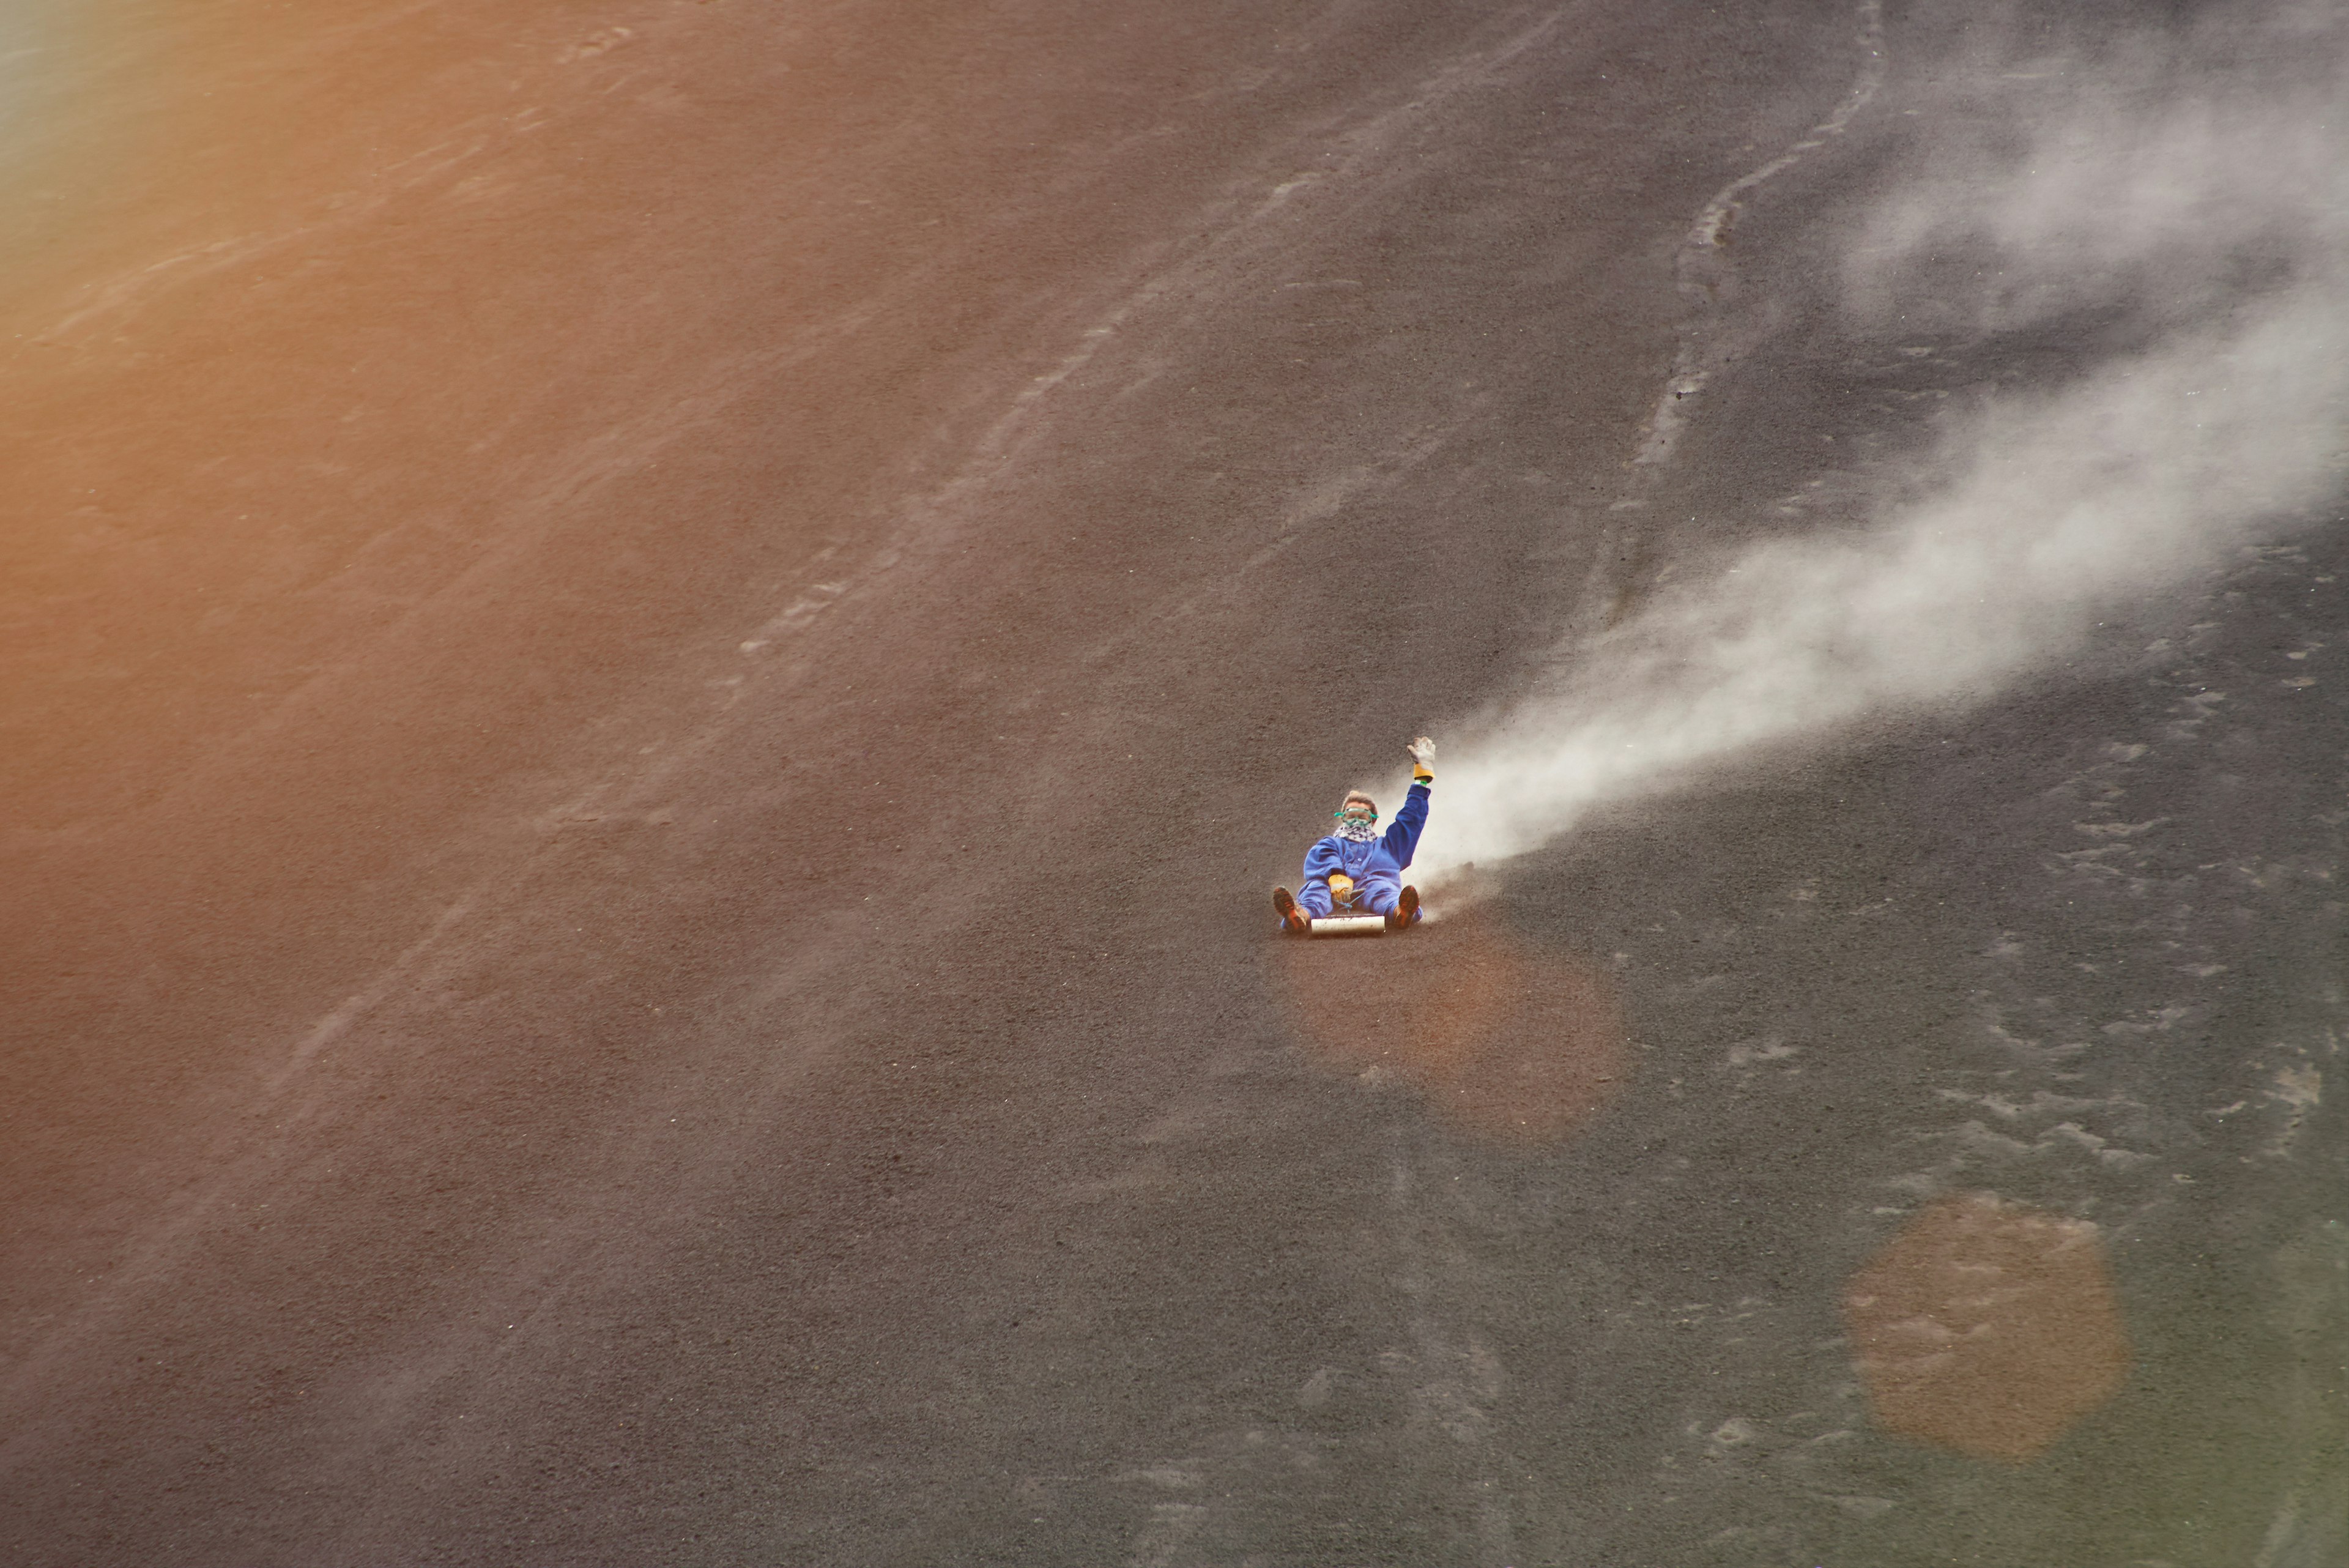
(1322, 860)
(1404, 836)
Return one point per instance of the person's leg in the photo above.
(1378, 893)
(1314, 898)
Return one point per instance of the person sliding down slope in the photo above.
(1359, 866)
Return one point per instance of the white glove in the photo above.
(1423, 753)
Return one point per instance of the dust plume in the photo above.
(2192, 218)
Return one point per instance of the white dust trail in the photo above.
(2220, 225)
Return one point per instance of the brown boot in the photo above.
(1405, 912)
(1295, 921)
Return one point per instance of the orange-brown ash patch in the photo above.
(1503, 1040)
(1988, 1327)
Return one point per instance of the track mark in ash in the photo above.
(403, 971)
(1701, 269)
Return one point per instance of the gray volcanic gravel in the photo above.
(662, 653)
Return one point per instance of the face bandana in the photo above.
(1360, 824)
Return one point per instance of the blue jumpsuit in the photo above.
(1376, 864)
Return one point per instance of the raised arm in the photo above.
(1402, 837)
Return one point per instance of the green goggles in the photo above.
(1358, 813)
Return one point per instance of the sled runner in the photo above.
(1346, 922)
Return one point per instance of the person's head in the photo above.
(1357, 808)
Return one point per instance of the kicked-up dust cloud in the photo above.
(2198, 214)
